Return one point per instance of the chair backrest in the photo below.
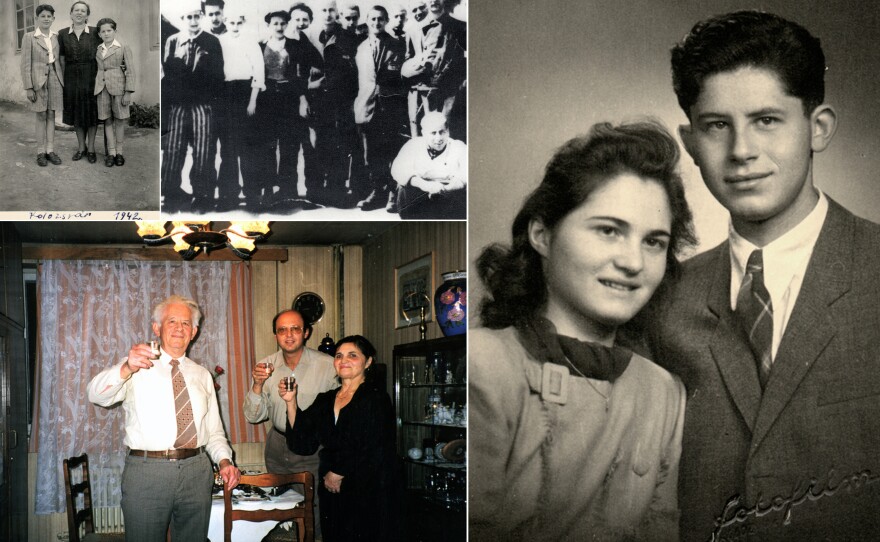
(75, 517)
(303, 513)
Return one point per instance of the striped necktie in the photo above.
(186, 427)
(755, 313)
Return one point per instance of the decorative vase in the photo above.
(450, 303)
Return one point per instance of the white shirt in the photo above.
(47, 39)
(186, 37)
(105, 50)
(785, 263)
(242, 60)
(314, 374)
(148, 401)
(413, 159)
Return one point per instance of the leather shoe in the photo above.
(41, 160)
(120, 161)
(92, 157)
(78, 155)
(54, 158)
(108, 161)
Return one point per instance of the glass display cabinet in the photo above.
(430, 399)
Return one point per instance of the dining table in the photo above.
(249, 531)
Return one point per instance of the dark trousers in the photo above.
(233, 128)
(282, 129)
(157, 493)
(338, 154)
(280, 460)
(384, 135)
(188, 125)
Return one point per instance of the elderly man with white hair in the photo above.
(431, 173)
(172, 428)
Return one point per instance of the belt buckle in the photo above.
(167, 454)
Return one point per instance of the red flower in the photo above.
(456, 315)
(462, 298)
(447, 297)
(218, 371)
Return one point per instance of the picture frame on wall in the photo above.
(413, 289)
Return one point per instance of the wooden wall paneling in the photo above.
(264, 283)
(353, 298)
(448, 241)
(311, 269)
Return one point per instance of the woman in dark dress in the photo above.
(355, 425)
(78, 46)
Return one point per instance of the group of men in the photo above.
(345, 164)
(173, 428)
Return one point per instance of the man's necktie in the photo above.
(755, 312)
(186, 427)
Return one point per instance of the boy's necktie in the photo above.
(755, 313)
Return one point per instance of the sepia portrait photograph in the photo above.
(673, 229)
(319, 109)
(79, 105)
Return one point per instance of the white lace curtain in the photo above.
(91, 313)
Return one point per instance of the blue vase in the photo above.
(450, 303)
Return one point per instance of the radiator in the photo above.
(109, 520)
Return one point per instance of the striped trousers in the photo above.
(189, 125)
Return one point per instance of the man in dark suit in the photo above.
(193, 76)
(775, 332)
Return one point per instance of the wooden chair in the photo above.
(303, 513)
(86, 516)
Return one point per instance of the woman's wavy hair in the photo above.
(514, 275)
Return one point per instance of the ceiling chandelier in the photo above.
(192, 237)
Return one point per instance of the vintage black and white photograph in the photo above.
(79, 105)
(674, 237)
(316, 109)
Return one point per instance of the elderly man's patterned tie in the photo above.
(755, 313)
(186, 427)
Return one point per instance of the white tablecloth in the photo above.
(249, 531)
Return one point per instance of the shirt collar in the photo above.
(85, 29)
(114, 44)
(39, 34)
(165, 358)
(186, 37)
(785, 256)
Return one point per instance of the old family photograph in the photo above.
(266, 108)
(80, 106)
(274, 108)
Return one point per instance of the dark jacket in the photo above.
(808, 446)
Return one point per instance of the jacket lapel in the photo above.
(41, 41)
(731, 352)
(111, 51)
(811, 326)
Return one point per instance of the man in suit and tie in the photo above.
(172, 428)
(336, 140)
(775, 332)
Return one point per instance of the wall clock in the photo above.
(310, 305)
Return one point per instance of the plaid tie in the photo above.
(186, 427)
(755, 312)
